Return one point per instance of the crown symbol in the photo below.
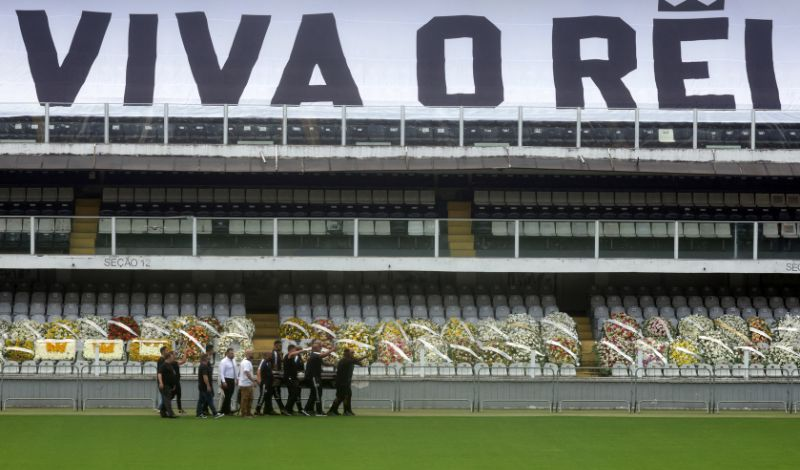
(691, 5)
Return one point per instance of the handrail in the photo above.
(398, 114)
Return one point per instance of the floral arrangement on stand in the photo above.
(684, 352)
(693, 326)
(27, 330)
(498, 352)
(357, 337)
(461, 339)
(417, 328)
(212, 325)
(760, 332)
(621, 329)
(19, 349)
(156, 328)
(325, 331)
(659, 328)
(295, 329)
(62, 329)
(524, 337)
(107, 349)
(488, 330)
(431, 350)
(124, 328)
(653, 351)
(562, 350)
(239, 342)
(609, 353)
(784, 353)
(716, 348)
(55, 349)
(147, 350)
(92, 327)
(240, 325)
(4, 328)
(788, 329)
(193, 342)
(734, 329)
(392, 343)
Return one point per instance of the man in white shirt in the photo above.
(246, 382)
(227, 380)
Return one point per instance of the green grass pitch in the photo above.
(113, 441)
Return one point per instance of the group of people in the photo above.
(274, 371)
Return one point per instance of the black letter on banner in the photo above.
(141, 72)
(760, 66)
(61, 83)
(317, 44)
(487, 70)
(671, 70)
(214, 84)
(569, 69)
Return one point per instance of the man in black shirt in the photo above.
(344, 377)
(166, 385)
(313, 378)
(291, 366)
(274, 389)
(205, 389)
(160, 363)
(264, 375)
(176, 364)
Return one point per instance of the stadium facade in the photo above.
(439, 159)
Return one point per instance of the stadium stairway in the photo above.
(83, 238)
(460, 240)
(588, 356)
(266, 331)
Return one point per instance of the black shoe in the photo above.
(349, 413)
(333, 413)
(172, 417)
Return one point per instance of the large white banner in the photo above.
(715, 54)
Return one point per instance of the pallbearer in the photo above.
(344, 379)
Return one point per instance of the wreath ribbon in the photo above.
(68, 329)
(752, 350)
(95, 326)
(497, 330)
(156, 327)
(32, 330)
(17, 348)
(299, 327)
(397, 350)
(433, 348)
(687, 351)
(193, 340)
(761, 333)
(123, 326)
(786, 349)
(562, 328)
(324, 329)
(617, 350)
(715, 340)
(566, 349)
(356, 343)
(655, 351)
(625, 327)
(498, 352)
(423, 328)
(209, 327)
(465, 349)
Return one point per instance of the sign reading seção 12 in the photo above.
(127, 262)
(708, 54)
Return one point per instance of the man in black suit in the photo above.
(291, 366)
(313, 378)
(167, 381)
(274, 387)
(344, 379)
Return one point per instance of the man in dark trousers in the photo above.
(264, 376)
(291, 366)
(344, 378)
(166, 385)
(205, 389)
(160, 363)
(276, 367)
(176, 364)
(313, 378)
(227, 380)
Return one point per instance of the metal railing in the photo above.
(519, 126)
(369, 237)
(519, 391)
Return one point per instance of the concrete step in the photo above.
(459, 205)
(84, 226)
(462, 253)
(82, 251)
